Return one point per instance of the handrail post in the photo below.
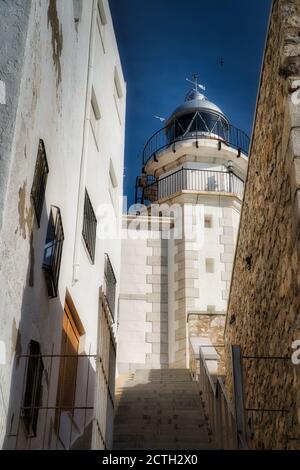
(218, 421)
(238, 392)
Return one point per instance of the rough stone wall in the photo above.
(264, 303)
(210, 326)
(14, 21)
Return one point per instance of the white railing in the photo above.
(200, 180)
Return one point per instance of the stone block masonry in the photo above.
(143, 319)
(157, 317)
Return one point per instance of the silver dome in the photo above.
(195, 101)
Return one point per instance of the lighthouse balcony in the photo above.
(206, 181)
(169, 136)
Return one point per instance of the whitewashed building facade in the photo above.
(62, 120)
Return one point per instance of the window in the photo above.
(66, 390)
(117, 84)
(33, 388)
(39, 181)
(113, 185)
(89, 227)
(209, 265)
(101, 22)
(95, 117)
(77, 8)
(110, 285)
(118, 93)
(207, 221)
(53, 250)
(211, 308)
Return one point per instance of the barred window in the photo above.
(53, 251)
(110, 285)
(33, 388)
(39, 181)
(89, 227)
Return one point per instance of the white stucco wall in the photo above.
(51, 106)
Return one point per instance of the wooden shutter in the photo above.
(68, 365)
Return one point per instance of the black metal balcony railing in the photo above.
(39, 181)
(53, 250)
(169, 135)
(110, 285)
(193, 180)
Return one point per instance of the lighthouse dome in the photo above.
(195, 101)
(195, 117)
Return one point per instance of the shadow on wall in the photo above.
(51, 396)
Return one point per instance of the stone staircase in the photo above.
(160, 409)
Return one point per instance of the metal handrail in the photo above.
(219, 409)
(162, 139)
(194, 179)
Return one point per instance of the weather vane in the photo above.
(195, 83)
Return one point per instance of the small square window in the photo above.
(39, 181)
(209, 265)
(101, 22)
(101, 13)
(208, 221)
(77, 8)
(53, 251)
(95, 117)
(113, 185)
(89, 229)
(210, 308)
(118, 93)
(117, 84)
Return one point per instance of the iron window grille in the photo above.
(110, 285)
(33, 389)
(39, 181)
(89, 227)
(53, 251)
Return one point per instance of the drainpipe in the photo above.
(83, 161)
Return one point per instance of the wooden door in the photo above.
(68, 363)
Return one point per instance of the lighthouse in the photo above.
(174, 289)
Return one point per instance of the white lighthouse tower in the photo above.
(174, 290)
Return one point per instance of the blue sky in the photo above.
(161, 42)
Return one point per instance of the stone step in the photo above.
(187, 402)
(160, 409)
(137, 388)
(159, 419)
